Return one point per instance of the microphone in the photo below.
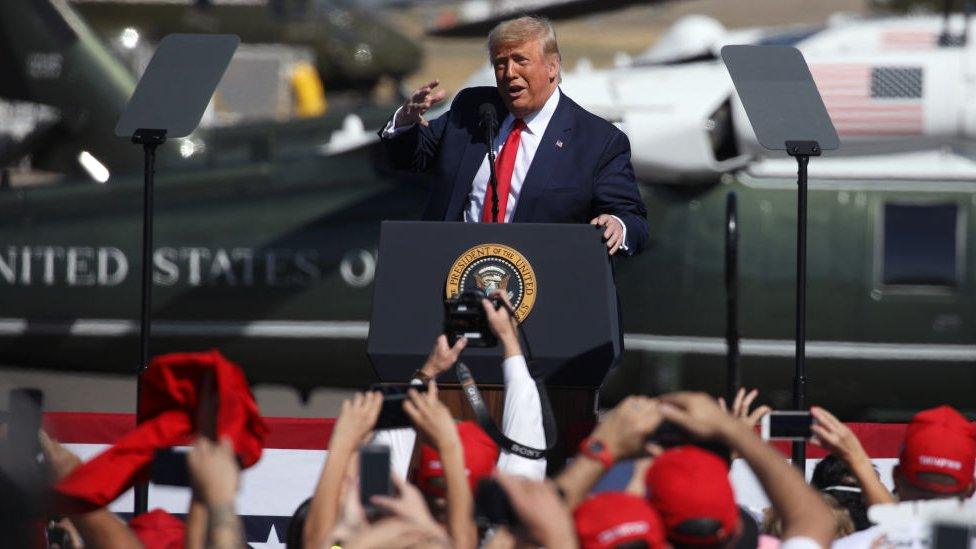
(489, 121)
(489, 117)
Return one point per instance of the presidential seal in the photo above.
(490, 267)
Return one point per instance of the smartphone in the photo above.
(492, 506)
(950, 536)
(374, 476)
(392, 415)
(169, 467)
(23, 462)
(26, 406)
(787, 425)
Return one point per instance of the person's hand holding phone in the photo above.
(61, 460)
(431, 417)
(356, 420)
(214, 471)
(833, 436)
(408, 504)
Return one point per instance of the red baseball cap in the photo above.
(941, 441)
(480, 455)
(158, 529)
(686, 484)
(170, 394)
(611, 518)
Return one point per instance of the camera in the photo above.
(668, 435)
(464, 316)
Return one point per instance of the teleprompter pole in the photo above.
(802, 151)
(733, 370)
(149, 139)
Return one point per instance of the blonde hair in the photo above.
(523, 29)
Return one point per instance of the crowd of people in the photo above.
(442, 471)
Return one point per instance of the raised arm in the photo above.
(356, 420)
(100, 528)
(522, 411)
(835, 437)
(431, 417)
(621, 435)
(214, 474)
(411, 142)
(802, 509)
(420, 101)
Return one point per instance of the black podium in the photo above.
(558, 276)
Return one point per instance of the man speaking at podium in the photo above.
(555, 162)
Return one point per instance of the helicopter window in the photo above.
(921, 245)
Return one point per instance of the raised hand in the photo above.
(503, 324)
(625, 429)
(356, 420)
(214, 471)
(833, 436)
(697, 413)
(419, 102)
(740, 407)
(443, 356)
(408, 505)
(431, 417)
(61, 460)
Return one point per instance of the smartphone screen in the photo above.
(392, 415)
(374, 476)
(787, 426)
(950, 536)
(169, 467)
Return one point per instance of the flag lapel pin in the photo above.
(559, 144)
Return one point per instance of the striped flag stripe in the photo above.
(864, 100)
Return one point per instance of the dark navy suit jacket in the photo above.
(580, 170)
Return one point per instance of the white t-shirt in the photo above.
(799, 543)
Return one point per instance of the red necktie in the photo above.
(503, 171)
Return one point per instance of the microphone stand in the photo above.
(492, 178)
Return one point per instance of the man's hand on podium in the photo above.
(443, 357)
(419, 102)
(613, 231)
(503, 324)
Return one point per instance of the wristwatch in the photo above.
(595, 449)
(424, 378)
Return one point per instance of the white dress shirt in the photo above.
(521, 422)
(535, 127)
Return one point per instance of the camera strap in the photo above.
(477, 403)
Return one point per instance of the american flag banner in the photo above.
(910, 39)
(863, 100)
